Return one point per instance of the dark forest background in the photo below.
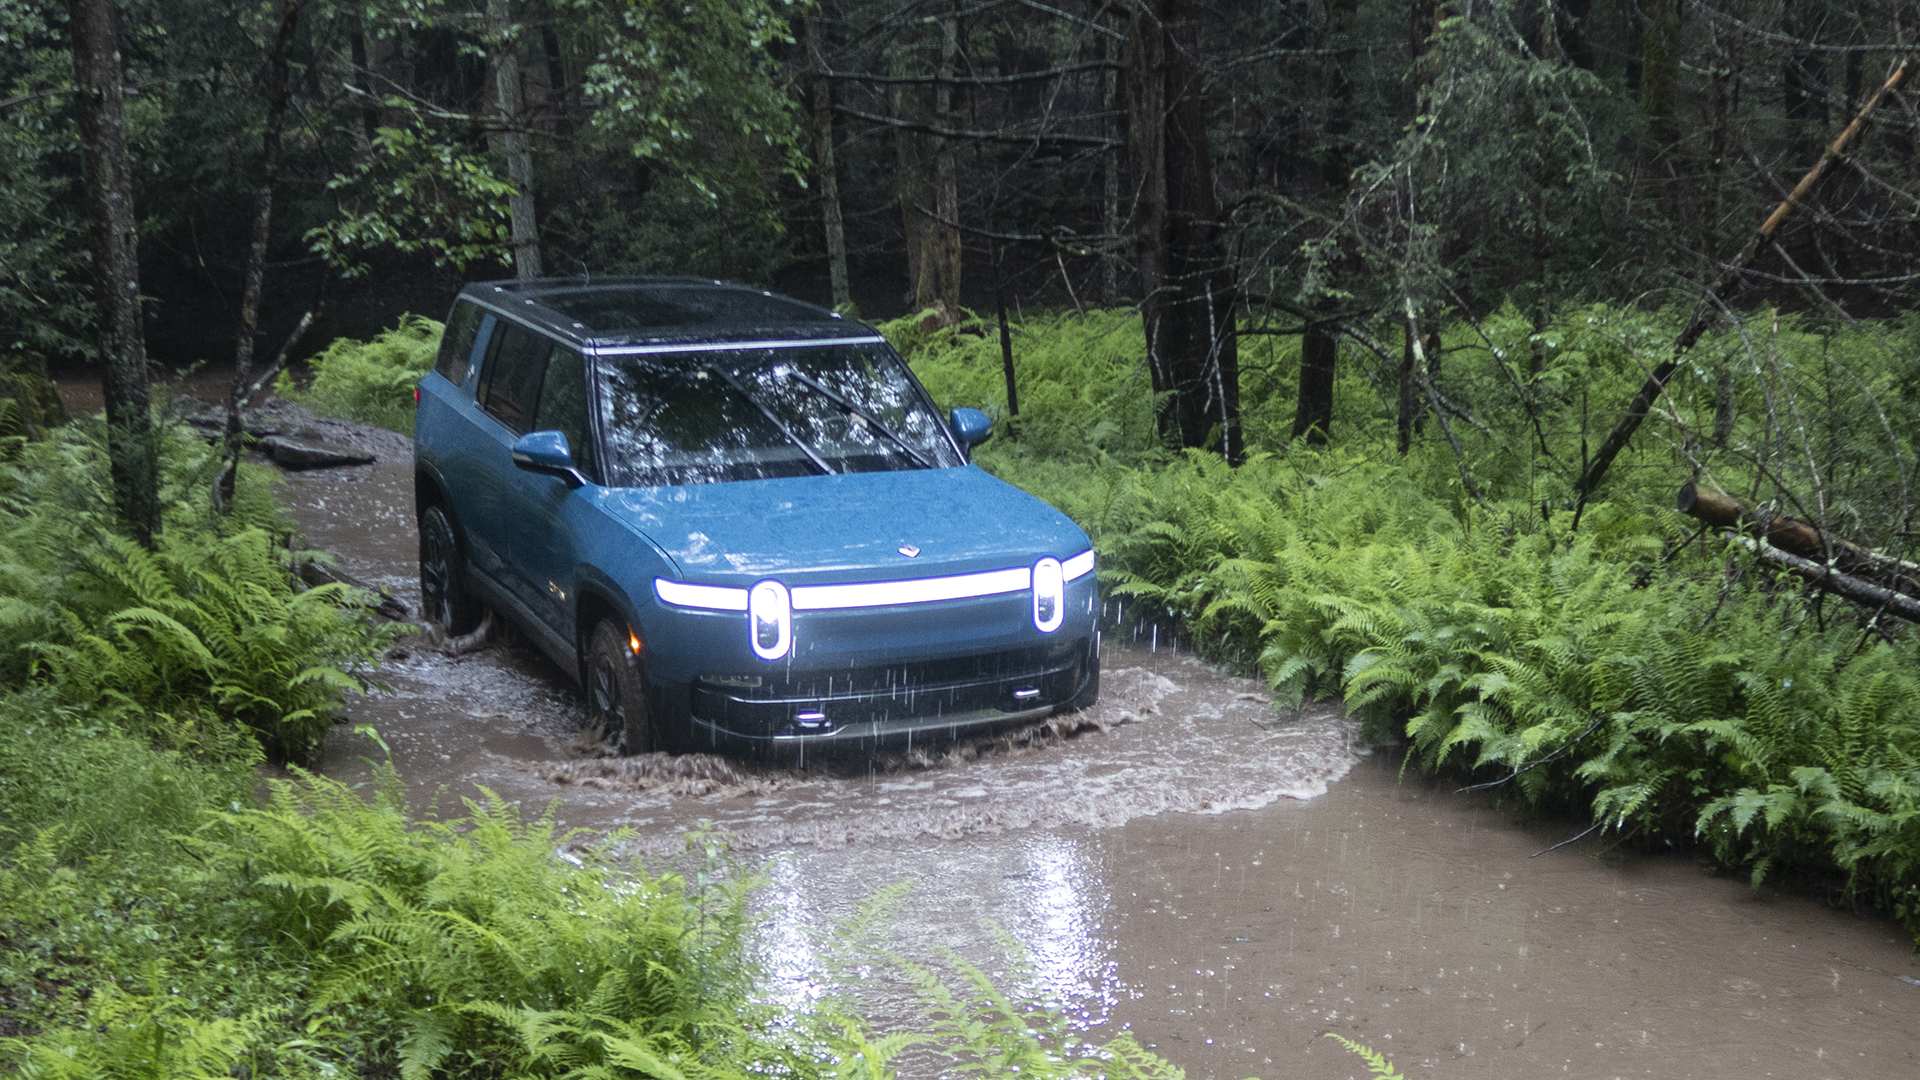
(1312, 163)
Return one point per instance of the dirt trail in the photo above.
(1179, 863)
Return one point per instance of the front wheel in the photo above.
(616, 702)
(443, 590)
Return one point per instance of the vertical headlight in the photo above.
(769, 620)
(1049, 595)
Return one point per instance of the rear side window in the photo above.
(456, 345)
(510, 379)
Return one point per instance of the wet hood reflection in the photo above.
(960, 518)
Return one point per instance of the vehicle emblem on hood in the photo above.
(909, 550)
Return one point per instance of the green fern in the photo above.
(1377, 1064)
(370, 381)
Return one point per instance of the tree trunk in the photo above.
(1718, 508)
(946, 172)
(911, 183)
(1187, 293)
(1313, 414)
(1110, 174)
(1426, 60)
(279, 64)
(824, 167)
(1659, 89)
(1861, 592)
(362, 80)
(116, 267)
(526, 232)
(1313, 417)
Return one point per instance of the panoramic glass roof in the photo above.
(629, 307)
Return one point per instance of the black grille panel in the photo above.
(968, 690)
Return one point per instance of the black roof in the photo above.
(639, 310)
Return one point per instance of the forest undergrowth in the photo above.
(169, 912)
(1615, 662)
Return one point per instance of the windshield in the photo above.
(758, 414)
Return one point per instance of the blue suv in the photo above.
(739, 521)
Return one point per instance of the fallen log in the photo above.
(1796, 537)
(1861, 592)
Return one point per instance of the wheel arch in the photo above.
(593, 606)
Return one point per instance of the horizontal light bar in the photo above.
(873, 593)
(915, 591)
(710, 597)
(730, 346)
(1077, 567)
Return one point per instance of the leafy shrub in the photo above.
(370, 381)
(463, 944)
(1609, 671)
(324, 934)
(205, 628)
(1082, 384)
(206, 631)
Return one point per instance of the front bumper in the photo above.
(889, 704)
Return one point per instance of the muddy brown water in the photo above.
(1226, 884)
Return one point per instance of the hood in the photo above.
(847, 527)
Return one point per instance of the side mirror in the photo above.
(971, 426)
(547, 452)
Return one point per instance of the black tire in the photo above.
(443, 588)
(1090, 690)
(616, 691)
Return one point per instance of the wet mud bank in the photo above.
(1177, 863)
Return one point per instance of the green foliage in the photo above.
(83, 784)
(1620, 671)
(421, 191)
(671, 228)
(204, 638)
(1082, 384)
(44, 294)
(325, 933)
(463, 944)
(370, 381)
(137, 1037)
(205, 627)
(694, 86)
(1377, 1063)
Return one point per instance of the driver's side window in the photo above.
(563, 405)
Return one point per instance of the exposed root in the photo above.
(462, 644)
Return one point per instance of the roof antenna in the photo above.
(585, 279)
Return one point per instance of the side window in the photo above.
(456, 344)
(510, 379)
(563, 405)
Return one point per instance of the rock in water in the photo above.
(289, 454)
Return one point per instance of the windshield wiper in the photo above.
(854, 410)
(812, 455)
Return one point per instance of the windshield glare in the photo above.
(758, 414)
